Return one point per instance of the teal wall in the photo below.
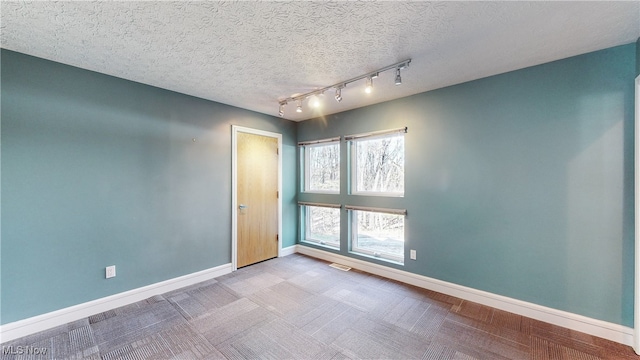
(100, 171)
(519, 184)
(638, 57)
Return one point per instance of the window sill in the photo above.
(332, 192)
(373, 193)
(318, 243)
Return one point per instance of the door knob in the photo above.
(242, 206)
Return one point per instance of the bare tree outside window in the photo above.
(379, 165)
(379, 234)
(323, 168)
(323, 225)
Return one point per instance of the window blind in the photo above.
(376, 133)
(314, 142)
(381, 210)
(304, 203)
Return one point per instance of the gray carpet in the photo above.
(298, 307)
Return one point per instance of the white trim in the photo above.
(636, 301)
(603, 329)
(330, 192)
(289, 250)
(52, 319)
(378, 193)
(234, 188)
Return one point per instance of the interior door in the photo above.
(257, 193)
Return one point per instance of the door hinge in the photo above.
(277, 194)
(277, 237)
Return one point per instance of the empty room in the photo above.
(319, 180)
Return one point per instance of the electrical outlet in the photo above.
(412, 254)
(110, 271)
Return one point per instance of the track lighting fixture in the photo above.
(369, 87)
(314, 101)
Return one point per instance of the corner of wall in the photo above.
(638, 57)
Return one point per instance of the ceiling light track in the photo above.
(341, 85)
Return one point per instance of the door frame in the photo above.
(235, 129)
(636, 300)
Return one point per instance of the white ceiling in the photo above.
(251, 54)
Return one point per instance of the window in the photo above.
(377, 163)
(378, 232)
(376, 170)
(321, 224)
(321, 164)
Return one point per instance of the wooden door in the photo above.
(257, 192)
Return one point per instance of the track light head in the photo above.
(339, 93)
(369, 87)
(398, 78)
(299, 107)
(281, 109)
(314, 101)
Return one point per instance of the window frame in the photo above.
(352, 156)
(304, 221)
(353, 234)
(305, 156)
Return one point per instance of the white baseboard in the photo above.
(603, 329)
(614, 332)
(50, 320)
(288, 250)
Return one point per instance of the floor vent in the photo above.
(340, 267)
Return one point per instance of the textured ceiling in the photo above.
(251, 54)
